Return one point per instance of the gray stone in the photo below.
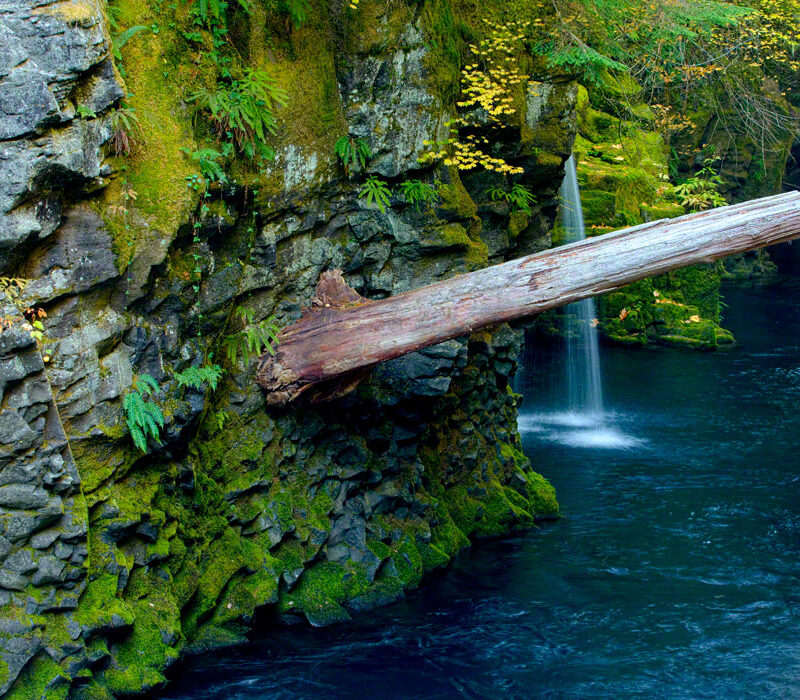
(51, 570)
(22, 496)
(12, 581)
(389, 103)
(20, 562)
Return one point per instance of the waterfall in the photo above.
(585, 388)
(583, 422)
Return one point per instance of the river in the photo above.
(674, 573)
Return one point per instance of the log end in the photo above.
(274, 374)
(280, 385)
(333, 291)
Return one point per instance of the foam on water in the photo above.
(578, 430)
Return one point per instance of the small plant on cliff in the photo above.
(85, 112)
(119, 39)
(253, 340)
(353, 153)
(419, 194)
(701, 191)
(211, 12)
(519, 197)
(197, 377)
(242, 110)
(295, 11)
(377, 191)
(124, 129)
(144, 417)
(12, 288)
(210, 169)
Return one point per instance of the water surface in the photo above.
(675, 573)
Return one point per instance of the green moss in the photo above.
(447, 35)
(431, 556)
(541, 495)
(599, 207)
(322, 589)
(312, 120)
(455, 197)
(378, 548)
(446, 535)
(408, 562)
(223, 560)
(142, 657)
(92, 691)
(100, 604)
(156, 170)
(517, 222)
(98, 459)
(623, 173)
(464, 510)
(41, 679)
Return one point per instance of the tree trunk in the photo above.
(343, 335)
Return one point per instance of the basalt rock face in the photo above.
(114, 562)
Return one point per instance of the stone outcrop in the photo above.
(114, 562)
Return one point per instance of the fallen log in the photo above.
(343, 335)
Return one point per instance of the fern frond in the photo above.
(196, 377)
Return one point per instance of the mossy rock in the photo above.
(41, 679)
(321, 591)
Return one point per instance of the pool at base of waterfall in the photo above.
(675, 571)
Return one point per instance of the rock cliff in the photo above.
(113, 562)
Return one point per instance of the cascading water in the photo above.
(584, 383)
(578, 418)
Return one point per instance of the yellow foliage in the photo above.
(486, 85)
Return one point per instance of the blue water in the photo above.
(675, 573)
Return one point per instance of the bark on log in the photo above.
(343, 335)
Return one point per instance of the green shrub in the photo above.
(701, 191)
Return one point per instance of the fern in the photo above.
(144, 418)
(12, 287)
(253, 340)
(296, 11)
(418, 193)
(213, 12)
(125, 128)
(119, 40)
(519, 197)
(376, 191)
(196, 377)
(353, 153)
(243, 109)
(206, 159)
